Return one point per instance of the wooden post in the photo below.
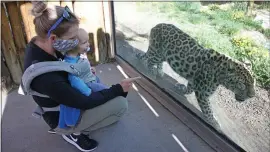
(17, 28)
(102, 46)
(91, 14)
(67, 3)
(53, 3)
(9, 49)
(91, 54)
(250, 6)
(25, 8)
(108, 19)
(6, 81)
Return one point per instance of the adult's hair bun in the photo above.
(38, 8)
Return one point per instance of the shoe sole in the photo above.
(51, 131)
(73, 143)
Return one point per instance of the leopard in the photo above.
(204, 68)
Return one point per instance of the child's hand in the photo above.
(93, 70)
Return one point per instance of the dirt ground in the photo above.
(247, 123)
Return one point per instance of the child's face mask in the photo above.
(88, 49)
(85, 50)
(65, 45)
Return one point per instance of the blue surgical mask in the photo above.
(65, 45)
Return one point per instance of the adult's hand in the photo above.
(126, 84)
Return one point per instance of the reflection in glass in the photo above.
(212, 56)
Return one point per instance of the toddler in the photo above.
(86, 82)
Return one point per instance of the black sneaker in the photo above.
(82, 142)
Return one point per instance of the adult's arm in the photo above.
(58, 88)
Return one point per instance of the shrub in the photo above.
(240, 6)
(266, 32)
(196, 18)
(254, 24)
(258, 55)
(238, 15)
(188, 6)
(228, 28)
(261, 68)
(213, 7)
(264, 5)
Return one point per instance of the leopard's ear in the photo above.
(231, 69)
(211, 50)
(247, 63)
(231, 64)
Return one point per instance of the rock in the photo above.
(264, 16)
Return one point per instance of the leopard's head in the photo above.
(239, 79)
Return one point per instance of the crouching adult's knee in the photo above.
(120, 106)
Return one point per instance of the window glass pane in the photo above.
(208, 55)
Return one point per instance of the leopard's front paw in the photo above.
(216, 125)
(138, 56)
(181, 87)
(160, 73)
(153, 73)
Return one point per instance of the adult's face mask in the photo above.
(65, 45)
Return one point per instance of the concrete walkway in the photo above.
(146, 127)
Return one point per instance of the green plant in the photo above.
(251, 23)
(222, 15)
(238, 15)
(241, 42)
(240, 6)
(196, 18)
(163, 8)
(266, 32)
(247, 48)
(213, 7)
(258, 55)
(262, 71)
(228, 28)
(210, 38)
(264, 5)
(188, 6)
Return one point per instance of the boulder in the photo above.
(264, 16)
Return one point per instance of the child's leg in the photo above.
(93, 70)
(97, 79)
